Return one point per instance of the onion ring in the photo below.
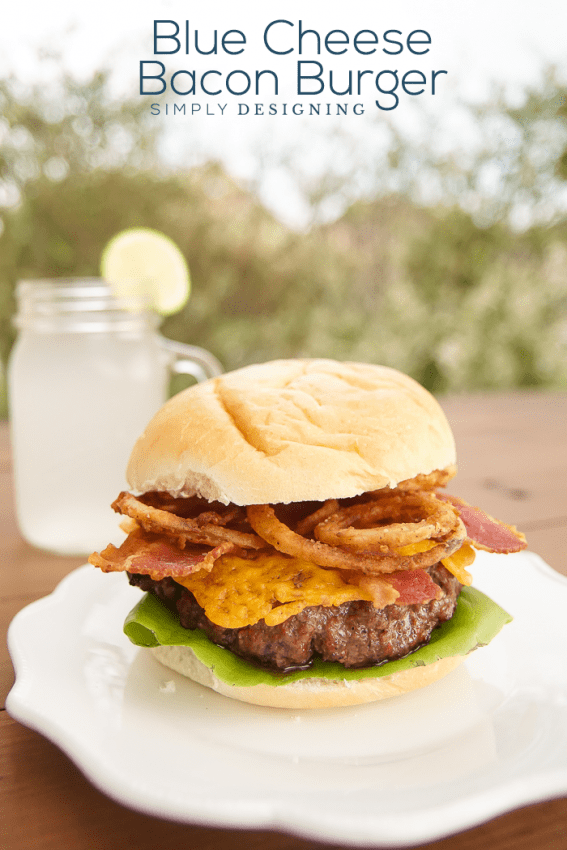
(263, 520)
(193, 507)
(214, 518)
(307, 524)
(339, 530)
(159, 521)
(429, 481)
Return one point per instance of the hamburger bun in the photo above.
(292, 431)
(307, 693)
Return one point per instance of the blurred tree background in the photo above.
(464, 287)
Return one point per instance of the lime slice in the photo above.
(142, 261)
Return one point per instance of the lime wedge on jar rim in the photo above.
(142, 261)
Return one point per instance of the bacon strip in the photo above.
(381, 590)
(485, 532)
(157, 557)
(414, 587)
(405, 587)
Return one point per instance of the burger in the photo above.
(288, 525)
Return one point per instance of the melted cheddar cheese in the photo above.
(238, 592)
(414, 548)
(455, 563)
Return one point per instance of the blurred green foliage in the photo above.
(458, 297)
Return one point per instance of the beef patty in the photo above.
(355, 633)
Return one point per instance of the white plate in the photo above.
(488, 738)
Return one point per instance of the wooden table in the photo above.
(512, 461)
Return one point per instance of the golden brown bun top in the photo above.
(290, 431)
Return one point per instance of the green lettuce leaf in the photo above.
(476, 621)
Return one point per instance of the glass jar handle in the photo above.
(190, 360)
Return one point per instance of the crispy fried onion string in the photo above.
(437, 478)
(185, 530)
(264, 521)
(307, 525)
(355, 526)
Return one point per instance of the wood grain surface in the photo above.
(512, 461)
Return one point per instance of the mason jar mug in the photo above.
(87, 372)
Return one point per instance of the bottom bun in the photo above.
(307, 693)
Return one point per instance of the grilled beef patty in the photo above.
(355, 633)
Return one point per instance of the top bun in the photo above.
(292, 431)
